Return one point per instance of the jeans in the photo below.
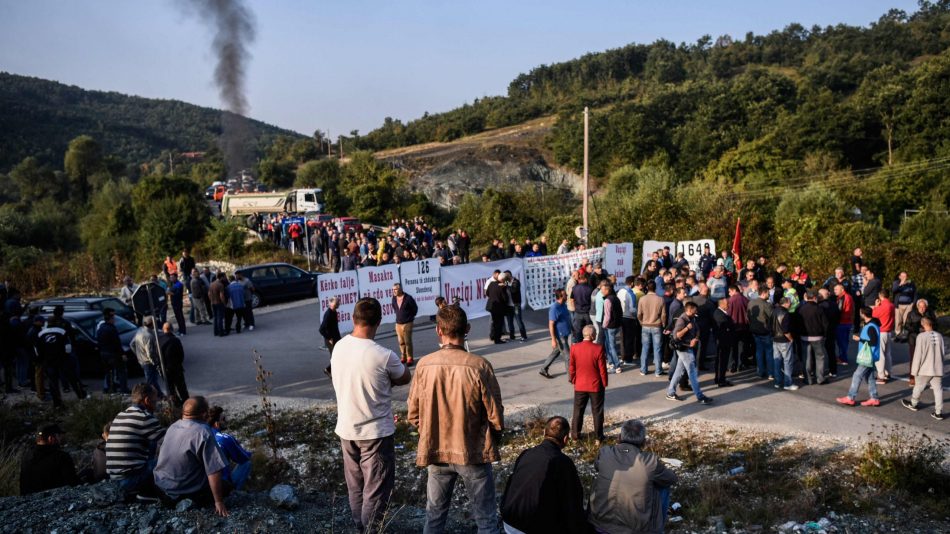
(610, 344)
(651, 335)
(883, 363)
(685, 362)
(580, 321)
(816, 362)
(515, 315)
(862, 374)
(218, 318)
(598, 329)
(240, 474)
(763, 355)
(562, 351)
(151, 377)
(843, 335)
(480, 486)
(141, 481)
(782, 359)
(369, 467)
(116, 373)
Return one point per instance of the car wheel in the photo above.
(255, 300)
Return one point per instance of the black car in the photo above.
(76, 304)
(279, 281)
(86, 347)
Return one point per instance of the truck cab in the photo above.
(304, 200)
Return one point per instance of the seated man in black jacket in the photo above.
(46, 466)
(544, 493)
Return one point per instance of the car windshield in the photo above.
(123, 325)
(87, 325)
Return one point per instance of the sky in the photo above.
(346, 65)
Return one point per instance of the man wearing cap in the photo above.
(46, 466)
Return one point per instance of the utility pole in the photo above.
(586, 176)
(329, 142)
(171, 165)
(340, 141)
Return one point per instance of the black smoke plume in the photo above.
(234, 30)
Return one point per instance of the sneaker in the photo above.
(642, 373)
(672, 397)
(666, 366)
(847, 401)
(705, 400)
(906, 403)
(937, 415)
(146, 499)
(619, 370)
(544, 373)
(871, 402)
(251, 328)
(881, 381)
(771, 379)
(793, 387)
(524, 340)
(610, 368)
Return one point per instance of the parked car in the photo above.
(279, 281)
(348, 223)
(90, 303)
(86, 347)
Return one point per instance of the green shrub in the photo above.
(896, 460)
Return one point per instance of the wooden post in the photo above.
(586, 175)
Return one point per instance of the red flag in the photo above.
(737, 241)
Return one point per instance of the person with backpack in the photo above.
(869, 352)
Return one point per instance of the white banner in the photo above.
(468, 283)
(544, 274)
(649, 247)
(693, 251)
(377, 282)
(618, 261)
(421, 280)
(343, 286)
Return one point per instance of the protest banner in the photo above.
(377, 282)
(544, 274)
(421, 280)
(618, 261)
(468, 281)
(344, 287)
(649, 247)
(693, 250)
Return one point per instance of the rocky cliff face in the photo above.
(508, 158)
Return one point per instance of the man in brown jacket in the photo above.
(455, 402)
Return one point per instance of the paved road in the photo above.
(287, 337)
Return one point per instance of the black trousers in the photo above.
(175, 380)
(497, 324)
(725, 346)
(630, 328)
(597, 411)
(831, 350)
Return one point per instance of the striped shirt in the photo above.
(132, 439)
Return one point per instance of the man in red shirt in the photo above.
(843, 330)
(884, 311)
(588, 373)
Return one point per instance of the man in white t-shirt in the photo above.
(364, 374)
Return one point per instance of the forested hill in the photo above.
(39, 117)
(730, 106)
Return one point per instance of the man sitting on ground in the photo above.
(133, 440)
(46, 466)
(544, 493)
(190, 464)
(231, 448)
(631, 491)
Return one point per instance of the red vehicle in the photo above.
(348, 224)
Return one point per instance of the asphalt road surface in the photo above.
(286, 336)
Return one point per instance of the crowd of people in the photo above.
(785, 326)
(455, 404)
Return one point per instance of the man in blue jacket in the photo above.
(232, 449)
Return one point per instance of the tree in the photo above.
(83, 159)
(882, 94)
(171, 216)
(326, 175)
(35, 181)
(109, 230)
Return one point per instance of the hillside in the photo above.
(39, 117)
(500, 159)
(731, 107)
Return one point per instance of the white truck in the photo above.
(295, 201)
